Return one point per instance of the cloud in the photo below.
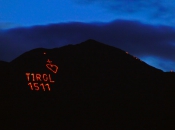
(162, 63)
(160, 11)
(8, 25)
(141, 40)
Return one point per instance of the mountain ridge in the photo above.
(90, 44)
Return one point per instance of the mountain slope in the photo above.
(96, 86)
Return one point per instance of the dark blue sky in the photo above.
(145, 28)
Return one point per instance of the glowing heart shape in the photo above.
(53, 68)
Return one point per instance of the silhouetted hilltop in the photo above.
(3, 64)
(3, 70)
(88, 51)
(85, 86)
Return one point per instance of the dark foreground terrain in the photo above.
(92, 86)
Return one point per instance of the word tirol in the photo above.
(39, 77)
(39, 81)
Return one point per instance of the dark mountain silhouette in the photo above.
(3, 65)
(96, 87)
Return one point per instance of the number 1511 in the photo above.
(37, 87)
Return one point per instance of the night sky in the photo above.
(144, 28)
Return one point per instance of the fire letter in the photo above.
(30, 84)
(38, 77)
(45, 78)
(48, 86)
(51, 79)
(42, 86)
(33, 77)
(36, 86)
(27, 74)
